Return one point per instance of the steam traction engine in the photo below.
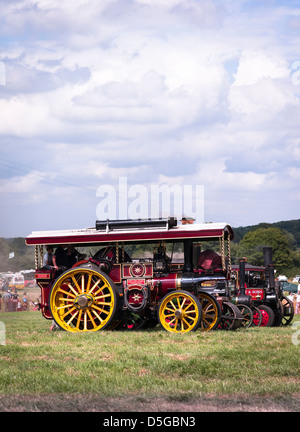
(258, 290)
(110, 289)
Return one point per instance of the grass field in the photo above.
(249, 369)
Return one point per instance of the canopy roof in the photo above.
(249, 267)
(86, 236)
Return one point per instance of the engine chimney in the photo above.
(188, 255)
(269, 266)
(242, 275)
(267, 255)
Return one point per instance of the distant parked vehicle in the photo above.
(15, 280)
(290, 287)
(296, 279)
(282, 278)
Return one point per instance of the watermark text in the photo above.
(2, 74)
(296, 334)
(141, 202)
(2, 333)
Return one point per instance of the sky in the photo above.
(157, 92)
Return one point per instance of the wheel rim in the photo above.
(265, 318)
(83, 300)
(210, 312)
(257, 317)
(179, 312)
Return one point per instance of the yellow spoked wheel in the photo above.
(83, 299)
(179, 312)
(211, 312)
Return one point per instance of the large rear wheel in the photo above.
(83, 300)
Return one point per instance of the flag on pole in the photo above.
(11, 255)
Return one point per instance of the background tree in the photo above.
(252, 244)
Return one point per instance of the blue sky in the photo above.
(165, 92)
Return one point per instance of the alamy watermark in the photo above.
(2, 333)
(141, 202)
(296, 334)
(2, 73)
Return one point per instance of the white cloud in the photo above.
(19, 185)
(254, 66)
(23, 117)
(263, 101)
(159, 91)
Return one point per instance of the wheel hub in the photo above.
(83, 301)
(178, 313)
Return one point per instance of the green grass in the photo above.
(247, 362)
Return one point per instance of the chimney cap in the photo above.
(187, 220)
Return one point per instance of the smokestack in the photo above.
(269, 266)
(242, 275)
(267, 256)
(188, 255)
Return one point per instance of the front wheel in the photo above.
(257, 316)
(268, 316)
(247, 315)
(179, 312)
(211, 311)
(83, 299)
(231, 317)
